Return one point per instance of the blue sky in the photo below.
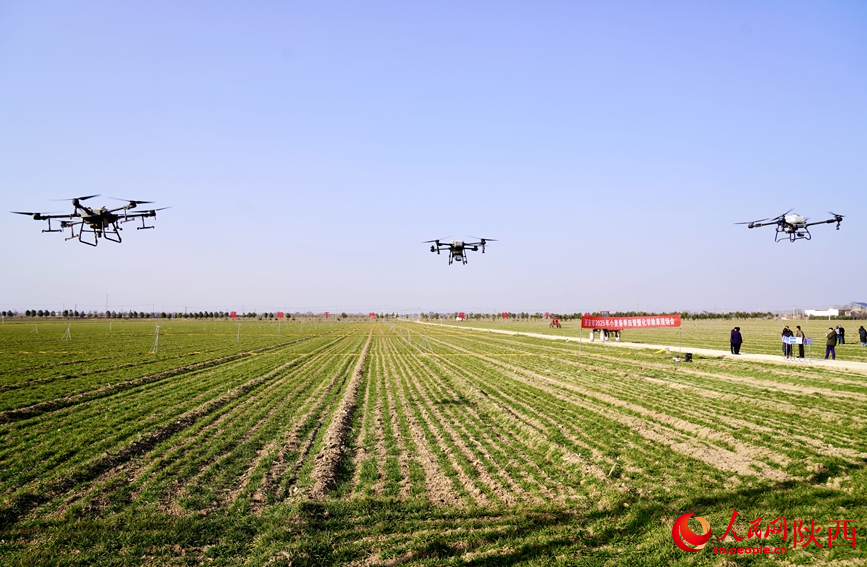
(307, 149)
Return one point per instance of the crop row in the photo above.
(73, 446)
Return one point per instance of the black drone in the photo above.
(101, 222)
(458, 248)
(792, 225)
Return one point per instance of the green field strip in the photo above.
(409, 450)
(156, 361)
(98, 426)
(387, 447)
(701, 402)
(129, 381)
(57, 484)
(410, 478)
(644, 403)
(72, 468)
(300, 476)
(116, 345)
(635, 418)
(467, 422)
(215, 470)
(508, 482)
(275, 483)
(536, 437)
(332, 468)
(576, 424)
(105, 410)
(167, 454)
(501, 441)
(485, 490)
(687, 424)
(367, 470)
(279, 426)
(411, 472)
(691, 403)
(457, 489)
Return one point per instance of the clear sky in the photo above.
(308, 148)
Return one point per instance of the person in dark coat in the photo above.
(862, 334)
(841, 335)
(787, 347)
(736, 340)
(830, 343)
(800, 335)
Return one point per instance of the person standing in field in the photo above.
(801, 338)
(841, 335)
(787, 348)
(830, 343)
(862, 334)
(736, 340)
(837, 330)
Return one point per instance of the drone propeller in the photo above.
(36, 216)
(484, 239)
(78, 198)
(838, 218)
(132, 202)
(437, 240)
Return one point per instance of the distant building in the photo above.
(823, 313)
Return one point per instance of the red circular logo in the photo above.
(684, 537)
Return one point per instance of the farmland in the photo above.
(760, 336)
(384, 443)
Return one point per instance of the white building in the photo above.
(824, 313)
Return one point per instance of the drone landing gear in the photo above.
(143, 227)
(49, 229)
(792, 234)
(106, 233)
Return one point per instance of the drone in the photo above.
(458, 248)
(792, 225)
(101, 222)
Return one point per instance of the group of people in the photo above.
(787, 346)
(833, 337)
(837, 335)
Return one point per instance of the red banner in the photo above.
(233, 315)
(280, 315)
(618, 323)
